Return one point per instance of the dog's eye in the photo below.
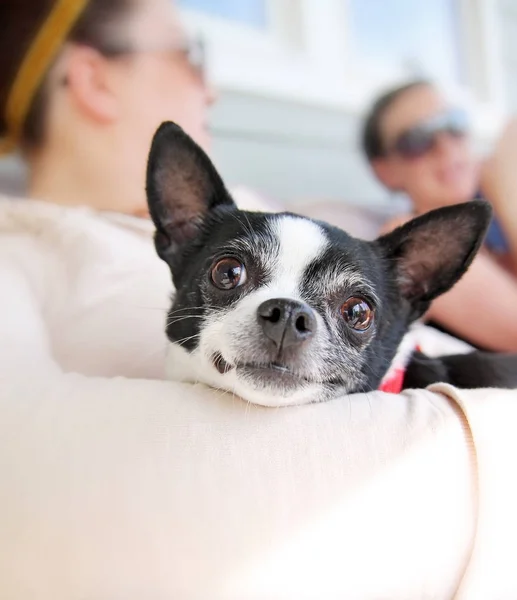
(228, 273)
(357, 313)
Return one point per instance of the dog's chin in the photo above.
(271, 376)
(274, 385)
(266, 385)
(264, 391)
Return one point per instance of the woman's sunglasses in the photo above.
(421, 139)
(192, 51)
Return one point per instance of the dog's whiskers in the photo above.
(186, 339)
(205, 306)
(183, 318)
(248, 229)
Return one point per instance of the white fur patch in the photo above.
(301, 243)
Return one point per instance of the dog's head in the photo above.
(281, 309)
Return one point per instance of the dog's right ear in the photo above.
(183, 187)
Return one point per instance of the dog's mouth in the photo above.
(220, 364)
(271, 374)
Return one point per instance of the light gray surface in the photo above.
(292, 151)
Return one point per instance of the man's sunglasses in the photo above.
(420, 139)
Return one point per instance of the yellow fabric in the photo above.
(40, 55)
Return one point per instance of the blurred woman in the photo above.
(417, 143)
(83, 87)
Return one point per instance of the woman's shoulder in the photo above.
(48, 242)
(72, 232)
(34, 217)
(24, 228)
(32, 234)
(20, 219)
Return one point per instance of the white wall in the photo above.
(508, 20)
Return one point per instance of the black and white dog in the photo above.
(283, 310)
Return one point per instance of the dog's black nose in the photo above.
(286, 322)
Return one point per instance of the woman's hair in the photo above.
(372, 142)
(95, 28)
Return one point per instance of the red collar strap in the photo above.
(393, 384)
(393, 381)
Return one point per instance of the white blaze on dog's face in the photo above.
(280, 309)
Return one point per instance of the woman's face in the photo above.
(446, 172)
(158, 81)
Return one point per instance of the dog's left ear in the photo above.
(183, 187)
(431, 253)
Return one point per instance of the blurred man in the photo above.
(417, 143)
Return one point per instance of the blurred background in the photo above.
(295, 76)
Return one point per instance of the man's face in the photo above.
(444, 171)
